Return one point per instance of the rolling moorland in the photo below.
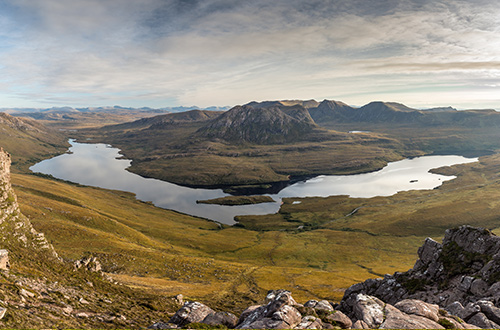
(273, 142)
(164, 253)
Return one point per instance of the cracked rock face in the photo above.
(462, 271)
(15, 228)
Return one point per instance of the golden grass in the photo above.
(167, 252)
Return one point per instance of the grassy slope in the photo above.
(28, 147)
(172, 253)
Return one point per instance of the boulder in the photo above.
(163, 325)
(339, 319)
(395, 319)
(310, 322)
(221, 318)
(490, 310)
(88, 263)
(359, 324)
(369, 309)
(323, 305)
(482, 321)
(311, 303)
(418, 307)
(191, 312)
(278, 313)
(4, 260)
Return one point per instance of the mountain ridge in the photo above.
(266, 124)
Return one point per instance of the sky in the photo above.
(161, 53)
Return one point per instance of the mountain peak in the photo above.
(253, 123)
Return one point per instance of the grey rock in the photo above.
(395, 319)
(323, 305)
(494, 290)
(455, 308)
(417, 307)
(360, 324)
(482, 321)
(247, 312)
(288, 314)
(163, 325)
(88, 263)
(277, 313)
(490, 310)
(310, 322)
(465, 283)
(191, 312)
(369, 309)
(479, 287)
(339, 319)
(311, 303)
(221, 318)
(469, 311)
(434, 277)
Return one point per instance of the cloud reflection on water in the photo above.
(97, 165)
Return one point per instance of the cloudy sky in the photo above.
(161, 53)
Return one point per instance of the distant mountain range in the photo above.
(161, 121)
(271, 122)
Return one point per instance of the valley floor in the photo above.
(168, 253)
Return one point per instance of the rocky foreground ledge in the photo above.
(452, 285)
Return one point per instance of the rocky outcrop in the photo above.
(196, 312)
(453, 284)
(15, 229)
(91, 264)
(281, 311)
(460, 276)
(4, 260)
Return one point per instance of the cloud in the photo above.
(225, 52)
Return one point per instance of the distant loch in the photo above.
(100, 165)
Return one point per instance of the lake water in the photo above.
(98, 165)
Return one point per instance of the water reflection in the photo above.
(97, 165)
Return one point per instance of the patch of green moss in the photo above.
(412, 285)
(458, 261)
(447, 324)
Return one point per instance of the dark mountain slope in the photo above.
(331, 111)
(387, 112)
(169, 119)
(262, 125)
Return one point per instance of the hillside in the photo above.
(31, 140)
(68, 118)
(317, 248)
(260, 125)
(452, 286)
(330, 111)
(41, 289)
(379, 114)
(157, 122)
(247, 145)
